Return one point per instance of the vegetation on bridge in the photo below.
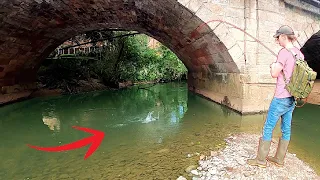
(116, 57)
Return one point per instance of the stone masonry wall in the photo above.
(252, 89)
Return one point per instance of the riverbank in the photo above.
(230, 163)
(84, 86)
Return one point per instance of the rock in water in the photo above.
(181, 178)
(190, 168)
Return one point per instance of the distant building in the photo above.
(71, 47)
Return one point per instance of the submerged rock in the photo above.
(181, 178)
(190, 168)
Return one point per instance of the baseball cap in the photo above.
(284, 30)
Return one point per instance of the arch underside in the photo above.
(29, 35)
(30, 31)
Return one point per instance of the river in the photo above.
(154, 132)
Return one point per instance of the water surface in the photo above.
(151, 133)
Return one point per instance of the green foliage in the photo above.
(127, 58)
(141, 63)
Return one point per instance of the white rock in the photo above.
(181, 178)
(195, 172)
(214, 178)
(241, 162)
(216, 163)
(213, 171)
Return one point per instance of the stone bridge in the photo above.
(224, 64)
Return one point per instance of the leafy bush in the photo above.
(127, 58)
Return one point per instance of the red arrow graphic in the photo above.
(94, 140)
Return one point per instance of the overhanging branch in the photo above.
(120, 36)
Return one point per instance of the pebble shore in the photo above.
(230, 163)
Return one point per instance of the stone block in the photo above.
(252, 32)
(221, 31)
(265, 59)
(270, 16)
(237, 34)
(253, 78)
(194, 5)
(215, 8)
(233, 67)
(309, 31)
(265, 77)
(200, 53)
(251, 46)
(244, 78)
(234, 12)
(236, 52)
(315, 26)
(205, 60)
(184, 2)
(237, 4)
(250, 4)
(237, 21)
(257, 97)
(199, 43)
(205, 14)
(268, 6)
(224, 53)
(4, 60)
(217, 58)
(251, 58)
(302, 39)
(2, 74)
(188, 27)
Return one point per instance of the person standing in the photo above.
(282, 104)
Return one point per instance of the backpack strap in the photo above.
(295, 57)
(284, 77)
(293, 54)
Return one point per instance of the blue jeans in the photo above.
(279, 107)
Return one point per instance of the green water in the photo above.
(149, 134)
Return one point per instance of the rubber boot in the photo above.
(278, 159)
(263, 150)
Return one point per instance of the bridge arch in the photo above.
(311, 51)
(224, 64)
(31, 33)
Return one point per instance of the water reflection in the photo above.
(151, 114)
(52, 122)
